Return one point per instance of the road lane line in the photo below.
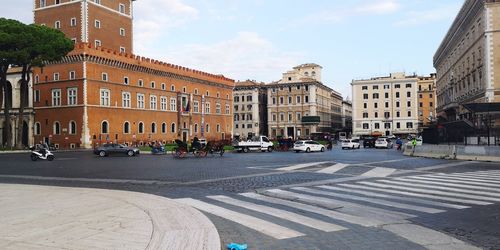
(300, 166)
(347, 207)
(413, 199)
(453, 164)
(332, 169)
(432, 186)
(286, 215)
(440, 183)
(466, 178)
(427, 191)
(435, 197)
(363, 221)
(379, 172)
(453, 181)
(483, 177)
(371, 200)
(262, 226)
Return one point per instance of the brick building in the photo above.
(102, 92)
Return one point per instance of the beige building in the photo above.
(385, 105)
(250, 109)
(347, 115)
(299, 104)
(426, 101)
(468, 60)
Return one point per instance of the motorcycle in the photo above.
(37, 154)
(158, 150)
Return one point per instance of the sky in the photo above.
(261, 39)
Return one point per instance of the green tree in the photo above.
(42, 45)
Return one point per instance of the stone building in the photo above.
(347, 116)
(426, 101)
(102, 92)
(250, 109)
(337, 100)
(468, 69)
(12, 99)
(385, 105)
(299, 104)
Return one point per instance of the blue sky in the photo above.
(260, 39)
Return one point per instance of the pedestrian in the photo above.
(414, 141)
(399, 143)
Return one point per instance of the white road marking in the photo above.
(265, 227)
(294, 217)
(379, 172)
(431, 186)
(332, 169)
(440, 183)
(435, 197)
(300, 166)
(454, 181)
(416, 200)
(374, 201)
(46, 178)
(427, 191)
(363, 221)
(453, 164)
(466, 178)
(375, 162)
(347, 207)
(484, 177)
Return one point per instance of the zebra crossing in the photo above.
(340, 206)
(333, 168)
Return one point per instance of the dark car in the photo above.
(114, 148)
(369, 142)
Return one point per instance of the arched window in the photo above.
(153, 128)
(141, 128)
(218, 128)
(126, 128)
(104, 127)
(72, 128)
(172, 127)
(38, 128)
(164, 128)
(306, 73)
(172, 87)
(208, 128)
(196, 128)
(57, 128)
(313, 73)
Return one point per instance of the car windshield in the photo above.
(299, 142)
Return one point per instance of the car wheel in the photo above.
(322, 149)
(130, 153)
(245, 150)
(50, 158)
(308, 150)
(352, 146)
(34, 157)
(359, 146)
(269, 149)
(102, 153)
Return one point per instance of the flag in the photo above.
(187, 106)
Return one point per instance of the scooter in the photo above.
(35, 155)
(158, 150)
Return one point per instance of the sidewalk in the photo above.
(44, 217)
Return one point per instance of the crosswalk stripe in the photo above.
(294, 217)
(371, 200)
(460, 190)
(466, 178)
(379, 172)
(435, 197)
(410, 179)
(454, 181)
(300, 166)
(486, 177)
(413, 199)
(427, 191)
(445, 165)
(347, 207)
(363, 221)
(332, 169)
(265, 227)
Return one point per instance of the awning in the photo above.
(487, 107)
(460, 124)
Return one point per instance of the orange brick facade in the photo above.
(98, 94)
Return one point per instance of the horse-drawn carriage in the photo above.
(197, 149)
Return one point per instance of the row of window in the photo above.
(298, 100)
(298, 87)
(387, 86)
(397, 104)
(73, 22)
(387, 125)
(243, 117)
(298, 115)
(377, 95)
(72, 94)
(56, 128)
(386, 114)
(121, 7)
(237, 98)
(243, 125)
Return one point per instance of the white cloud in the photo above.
(415, 18)
(248, 55)
(379, 7)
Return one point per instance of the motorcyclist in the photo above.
(399, 143)
(43, 149)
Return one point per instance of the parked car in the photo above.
(114, 148)
(369, 142)
(350, 143)
(308, 146)
(384, 143)
(261, 143)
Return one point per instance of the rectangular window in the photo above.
(140, 101)
(228, 111)
(73, 22)
(365, 96)
(97, 1)
(386, 86)
(409, 125)
(126, 99)
(299, 117)
(163, 103)
(43, 3)
(56, 97)
(217, 108)
(97, 43)
(387, 114)
(397, 104)
(386, 95)
(105, 97)
(274, 100)
(97, 24)
(37, 95)
(56, 76)
(104, 77)
(173, 104)
(408, 85)
(152, 102)
(431, 104)
(122, 49)
(397, 94)
(72, 75)
(375, 86)
(375, 105)
(375, 114)
(281, 100)
(307, 98)
(298, 99)
(408, 104)
(290, 117)
(421, 104)
(408, 94)
(364, 87)
(365, 115)
(72, 96)
(397, 86)
(289, 100)
(375, 95)
(398, 114)
(207, 108)
(409, 113)
(365, 105)
(387, 104)
(398, 125)
(274, 117)
(196, 107)
(121, 8)
(125, 80)
(387, 125)
(365, 125)
(57, 24)
(122, 32)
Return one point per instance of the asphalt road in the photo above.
(215, 180)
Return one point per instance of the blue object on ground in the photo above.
(236, 246)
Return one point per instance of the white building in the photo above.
(249, 106)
